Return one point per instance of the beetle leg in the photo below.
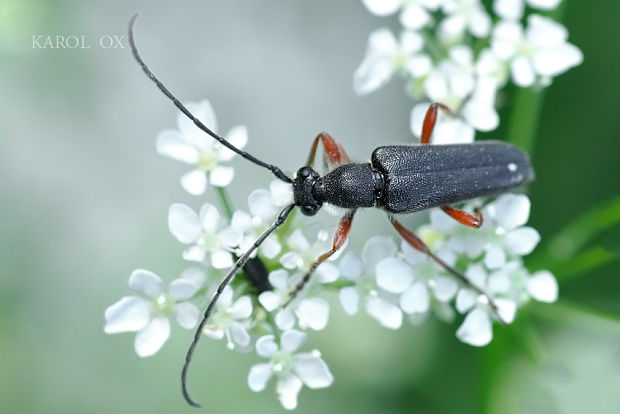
(340, 236)
(430, 119)
(334, 153)
(464, 217)
(417, 243)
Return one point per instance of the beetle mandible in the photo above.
(399, 179)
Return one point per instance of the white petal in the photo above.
(269, 300)
(544, 4)
(281, 193)
(213, 332)
(522, 72)
(543, 287)
(394, 275)
(285, 319)
(182, 289)
(509, 9)
(292, 340)
(204, 112)
(417, 118)
(388, 315)
(279, 279)
(172, 144)
(465, 300)
(414, 17)
(242, 308)
(453, 131)
(419, 65)
(145, 282)
(183, 223)
(194, 275)
(511, 210)
(209, 217)
(506, 309)
(327, 272)
(239, 335)
(194, 254)
(376, 249)
(476, 275)
(313, 313)
(260, 204)
(494, 258)
(287, 389)
(221, 259)
(312, 370)
(230, 236)
(376, 68)
(150, 339)
(351, 266)
(476, 328)
(258, 377)
(266, 346)
(383, 7)
(553, 61)
(270, 248)
(415, 299)
(506, 37)
(194, 182)
(444, 288)
(129, 314)
(226, 298)
(436, 86)
(186, 315)
(290, 260)
(522, 241)
(479, 23)
(241, 220)
(349, 298)
(498, 283)
(452, 27)
(221, 176)
(543, 32)
(238, 137)
(481, 115)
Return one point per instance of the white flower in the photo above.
(311, 313)
(415, 13)
(301, 254)
(476, 329)
(291, 370)
(384, 57)
(464, 15)
(264, 206)
(379, 303)
(539, 53)
(429, 279)
(201, 233)
(229, 319)
(195, 147)
(513, 9)
(148, 313)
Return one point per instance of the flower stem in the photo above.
(225, 201)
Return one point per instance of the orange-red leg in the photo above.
(340, 237)
(334, 153)
(464, 217)
(430, 119)
(417, 243)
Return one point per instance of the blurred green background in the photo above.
(85, 199)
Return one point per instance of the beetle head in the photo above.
(304, 191)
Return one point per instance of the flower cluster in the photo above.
(394, 283)
(456, 53)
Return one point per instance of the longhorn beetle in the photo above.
(399, 179)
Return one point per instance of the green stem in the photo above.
(524, 117)
(584, 263)
(225, 201)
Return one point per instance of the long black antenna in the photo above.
(229, 276)
(275, 170)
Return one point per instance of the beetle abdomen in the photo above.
(425, 176)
